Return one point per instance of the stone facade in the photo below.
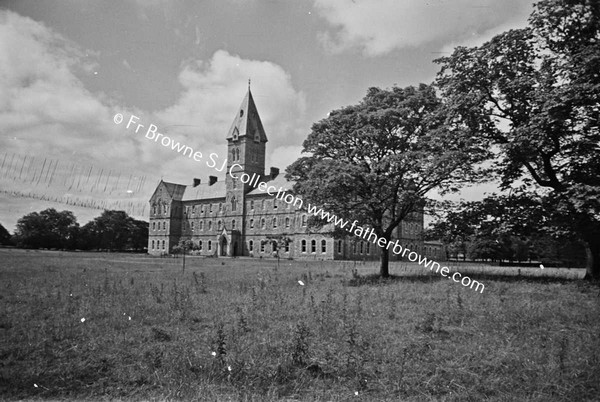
(230, 218)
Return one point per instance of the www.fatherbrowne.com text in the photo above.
(368, 234)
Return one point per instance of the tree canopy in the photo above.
(533, 95)
(374, 162)
(48, 229)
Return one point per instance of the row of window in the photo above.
(263, 224)
(157, 243)
(157, 225)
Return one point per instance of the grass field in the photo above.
(131, 327)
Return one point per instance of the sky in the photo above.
(68, 66)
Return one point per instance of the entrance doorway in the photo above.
(224, 247)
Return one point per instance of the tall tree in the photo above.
(4, 236)
(374, 162)
(48, 229)
(533, 95)
(115, 230)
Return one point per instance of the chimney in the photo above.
(196, 182)
(274, 172)
(212, 180)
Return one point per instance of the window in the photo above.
(193, 210)
(209, 225)
(303, 220)
(368, 248)
(192, 226)
(251, 204)
(304, 246)
(209, 245)
(152, 244)
(251, 245)
(339, 246)
(154, 210)
(233, 224)
(165, 225)
(165, 208)
(202, 208)
(153, 227)
(287, 222)
(274, 204)
(251, 223)
(221, 207)
(201, 225)
(219, 225)
(274, 222)
(233, 203)
(287, 246)
(354, 248)
(163, 244)
(262, 246)
(263, 223)
(361, 247)
(200, 245)
(323, 246)
(210, 208)
(313, 246)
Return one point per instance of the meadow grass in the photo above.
(131, 327)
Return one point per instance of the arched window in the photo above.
(200, 245)
(153, 209)
(262, 246)
(368, 248)
(233, 203)
(339, 246)
(251, 245)
(251, 223)
(303, 220)
(165, 225)
(219, 224)
(263, 223)
(361, 247)
(313, 246)
(152, 244)
(192, 226)
(251, 204)
(323, 246)
(287, 246)
(153, 227)
(287, 222)
(163, 244)
(193, 210)
(209, 245)
(233, 224)
(274, 222)
(303, 246)
(209, 225)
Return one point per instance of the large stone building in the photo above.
(229, 218)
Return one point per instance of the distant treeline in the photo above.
(112, 230)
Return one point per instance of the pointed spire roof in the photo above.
(247, 121)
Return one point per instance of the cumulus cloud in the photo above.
(380, 27)
(213, 91)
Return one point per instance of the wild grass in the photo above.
(116, 326)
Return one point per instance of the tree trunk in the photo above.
(384, 267)
(592, 250)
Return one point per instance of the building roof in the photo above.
(204, 191)
(247, 121)
(279, 181)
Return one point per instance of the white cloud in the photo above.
(380, 27)
(214, 90)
